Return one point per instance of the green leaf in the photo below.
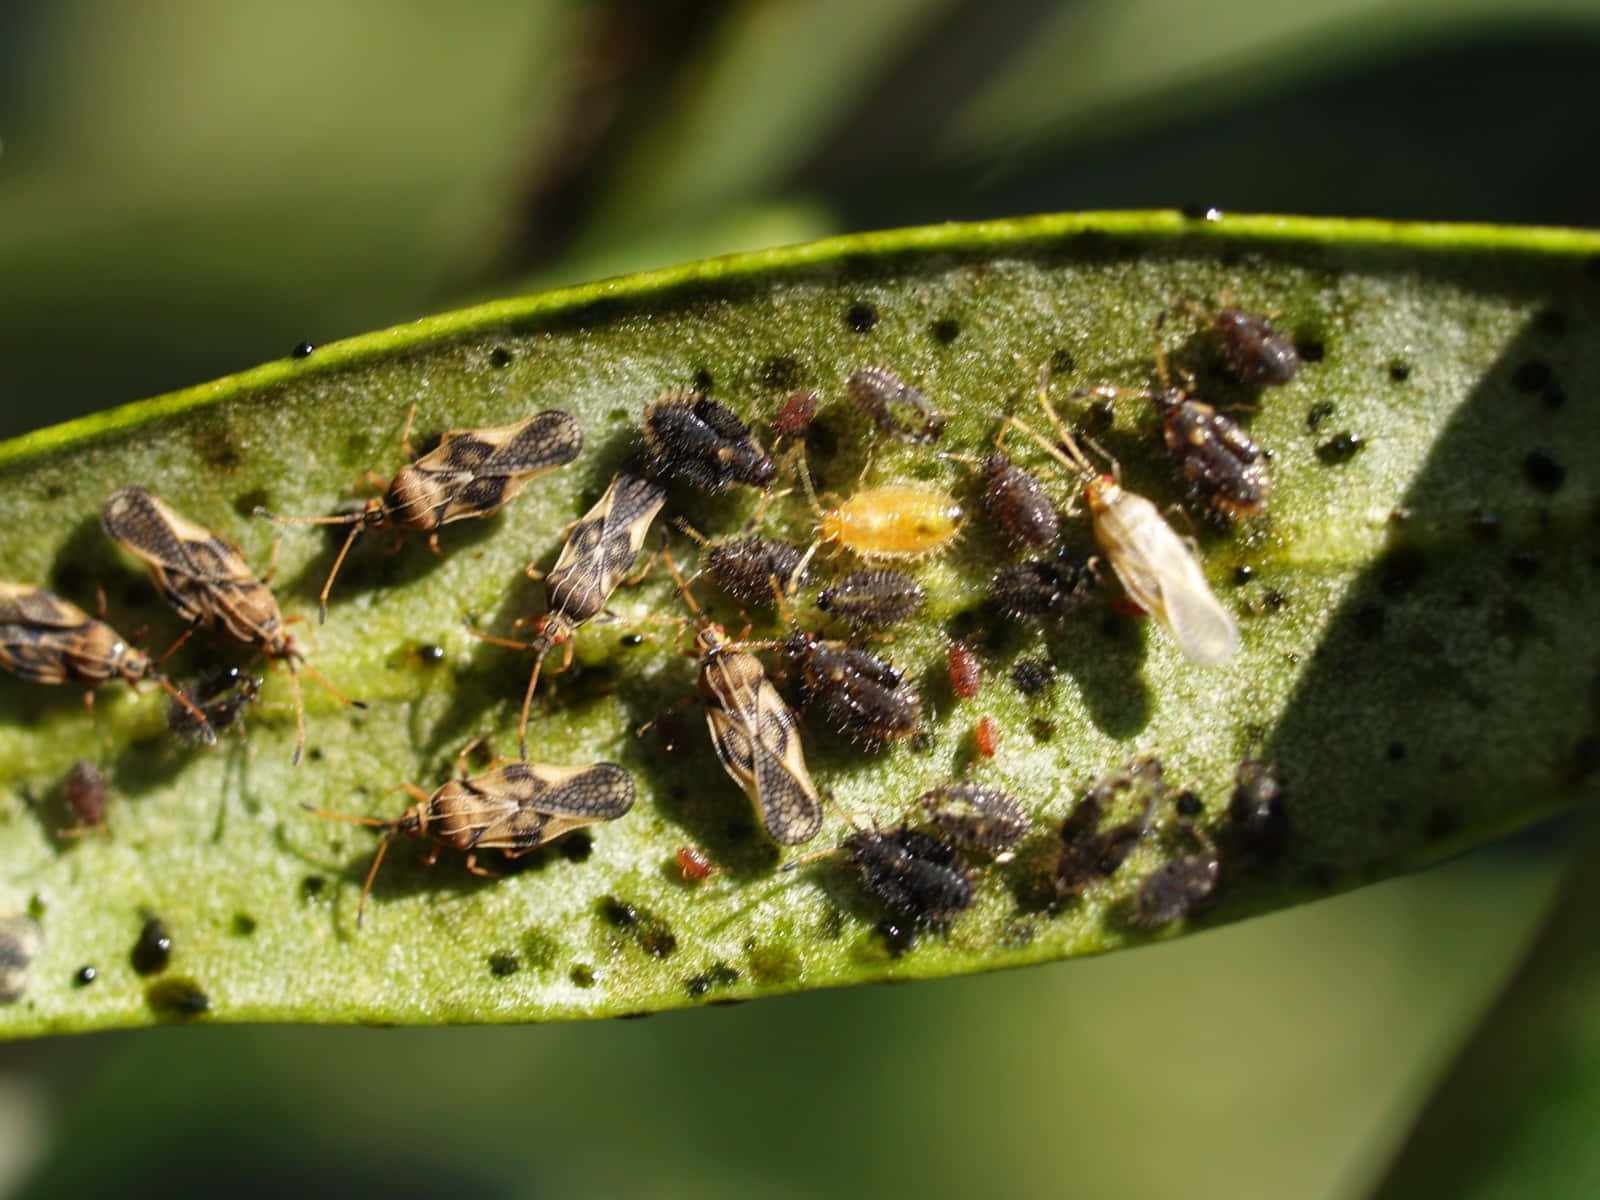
(1416, 650)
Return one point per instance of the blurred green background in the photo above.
(188, 188)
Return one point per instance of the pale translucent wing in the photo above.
(1162, 576)
(1204, 630)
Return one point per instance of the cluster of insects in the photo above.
(925, 870)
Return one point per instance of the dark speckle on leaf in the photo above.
(153, 949)
(781, 373)
(177, 997)
(1399, 568)
(861, 317)
(1524, 564)
(576, 847)
(582, 975)
(1586, 756)
(1543, 472)
(945, 330)
(1483, 525)
(500, 357)
(301, 350)
(1340, 448)
(1531, 376)
(1033, 675)
(1399, 372)
(503, 963)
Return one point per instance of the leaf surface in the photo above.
(1415, 612)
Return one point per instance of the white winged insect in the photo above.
(1156, 566)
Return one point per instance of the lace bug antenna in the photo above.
(471, 473)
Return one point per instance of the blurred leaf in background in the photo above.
(186, 189)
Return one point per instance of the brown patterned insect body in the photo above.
(1225, 468)
(1041, 588)
(897, 409)
(45, 639)
(692, 438)
(1087, 852)
(514, 808)
(912, 874)
(746, 567)
(84, 792)
(757, 738)
(470, 473)
(872, 599)
(216, 701)
(978, 818)
(1253, 352)
(1017, 502)
(599, 550)
(861, 694)
(205, 580)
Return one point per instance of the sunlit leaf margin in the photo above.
(1416, 619)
